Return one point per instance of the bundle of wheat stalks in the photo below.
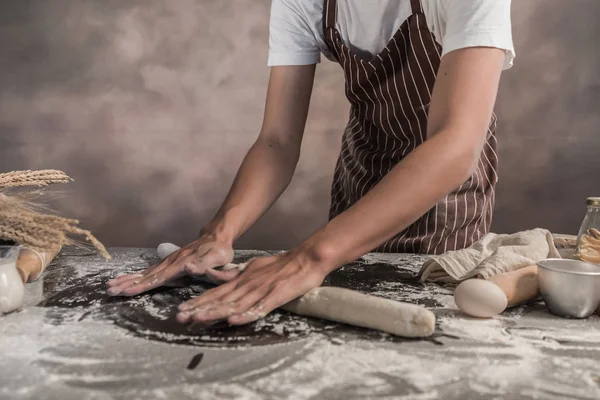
(26, 222)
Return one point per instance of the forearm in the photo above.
(458, 119)
(406, 193)
(264, 174)
(269, 166)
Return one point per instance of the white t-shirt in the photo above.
(366, 26)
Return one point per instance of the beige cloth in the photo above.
(493, 254)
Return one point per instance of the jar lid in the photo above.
(593, 201)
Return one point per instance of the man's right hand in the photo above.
(195, 259)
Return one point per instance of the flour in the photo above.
(73, 350)
(11, 286)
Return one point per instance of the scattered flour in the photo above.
(524, 353)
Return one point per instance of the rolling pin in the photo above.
(486, 298)
(31, 264)
(520, 286)
(353, 308)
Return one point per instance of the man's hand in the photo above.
(266, 284)
(264, 174)
(196, 259)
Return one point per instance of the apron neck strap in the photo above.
(415, 5)
(329, 14)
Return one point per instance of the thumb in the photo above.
(221, 276)
(215, 257)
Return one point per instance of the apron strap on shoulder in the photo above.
(329, 14)
(415, 5)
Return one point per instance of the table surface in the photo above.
(71, 341)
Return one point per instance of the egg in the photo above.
(480, 298)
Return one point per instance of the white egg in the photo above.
(480, 298)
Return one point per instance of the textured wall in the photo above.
(150, 105)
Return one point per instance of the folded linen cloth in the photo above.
(493, 254)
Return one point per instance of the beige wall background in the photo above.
(150, 106)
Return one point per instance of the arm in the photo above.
(460, 112)
(269, 166)
(264, 174)
(461, 107)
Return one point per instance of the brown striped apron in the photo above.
(389, 96)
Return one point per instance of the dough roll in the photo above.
(359, 309)
(354, 308)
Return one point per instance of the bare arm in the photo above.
(461, 107)
(264, 174)
(269, 166)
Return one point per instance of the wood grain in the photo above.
(520, 286)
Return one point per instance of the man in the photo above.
(417, 169)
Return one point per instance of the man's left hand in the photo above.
(266, 284)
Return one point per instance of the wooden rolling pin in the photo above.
(520, 286)
(354, 308)
(31, 264)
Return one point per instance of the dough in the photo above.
(12, 290)
(355, 308)
(164, 249)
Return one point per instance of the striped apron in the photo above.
(389, 95)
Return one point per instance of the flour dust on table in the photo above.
(71, 347)
(349, 307)
(152, 315)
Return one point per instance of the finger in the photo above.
(116, 289)
(220, 276)
(189, 316)
(168, 269)
(208, 296)
(221, 310)
(277, 297)
(237, 301)
(225, 302)
(251, 315)
(210, 259)
(123, 278)
(132, 288)
(196, 267)
(214, 294)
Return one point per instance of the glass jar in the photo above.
(588, 239)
